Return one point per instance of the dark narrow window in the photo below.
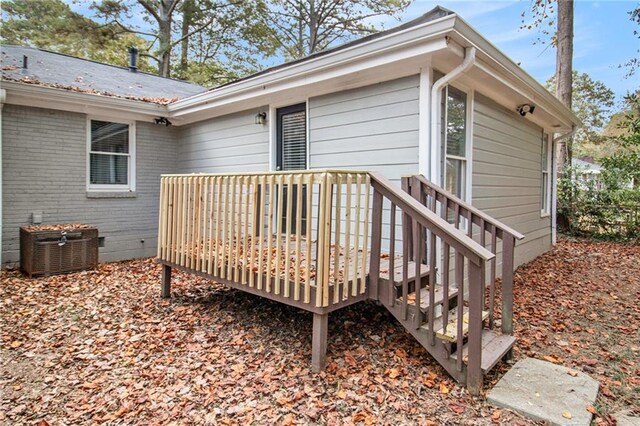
(292, 138)
(291, 154)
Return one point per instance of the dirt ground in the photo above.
(102, 347)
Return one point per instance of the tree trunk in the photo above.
(313, 27)
(187, 18)
(564, 65)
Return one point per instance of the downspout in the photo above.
(3, 98)
(467, 63)
(554, 185)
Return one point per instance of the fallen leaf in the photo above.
(572, 373)
(496, 415)
(444, 389)
(567, 415)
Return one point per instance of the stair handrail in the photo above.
(475, 252)
(464, 246)
(500, 226)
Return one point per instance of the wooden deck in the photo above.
(291, 270)
(321, 240)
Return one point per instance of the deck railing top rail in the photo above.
(475, 252)
(466, 206)
(317, 172)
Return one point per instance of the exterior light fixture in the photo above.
(261, 118)
(525, 109)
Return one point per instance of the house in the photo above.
(431, 97)
(587, 173)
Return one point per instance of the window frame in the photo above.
(272, 123)
(467, 160)
(545, 186)
(131, 170)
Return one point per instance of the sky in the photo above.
(603, 36)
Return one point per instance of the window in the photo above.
(454, 141)
(111, 160)
(291, 150)
(545, 192)
(291, 154)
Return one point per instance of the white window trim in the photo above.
(272, 119)
(131, 186)
(546, 212)
(468, 173)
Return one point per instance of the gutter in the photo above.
(3, 98)
(467, 63)
(554, 185)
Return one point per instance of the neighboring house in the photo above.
(80, 141)
(587, 173)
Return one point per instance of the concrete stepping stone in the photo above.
(626, 418)
(546, 392)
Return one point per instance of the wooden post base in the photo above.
(166, 281)
(319, 342)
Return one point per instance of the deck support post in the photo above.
(476, 298)
(508, 244)
(166, 281)
(319, 342)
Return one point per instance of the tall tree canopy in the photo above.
(52, 25)
(592, 102)
(208, 36)
(303, 27)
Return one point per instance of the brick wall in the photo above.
(44, 170)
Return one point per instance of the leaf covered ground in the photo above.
(102, 347)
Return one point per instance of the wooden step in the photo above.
(424, 297)
(452, 329)
(494, 347)
(397, 270)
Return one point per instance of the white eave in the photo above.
(437, 43)
(370, 62)
(388, 57)
(501, 67)
(88, 103)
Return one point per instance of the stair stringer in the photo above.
(438, 350)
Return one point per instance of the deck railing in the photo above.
(300, 235)
(420, 225)
(489, 232)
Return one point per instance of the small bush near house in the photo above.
(612, 211)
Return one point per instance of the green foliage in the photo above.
(215, 40)
(52, 25)
(592, 101)
(614, 210)
(633, 64)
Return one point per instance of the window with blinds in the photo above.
(292, 155)
(110, 155)
(292, 138)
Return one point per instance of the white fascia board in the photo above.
(418, 40)
(511, 73)
(86, 103)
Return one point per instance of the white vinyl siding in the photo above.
(231, 143)
(372, 128)
(507, 174)
(369, 128)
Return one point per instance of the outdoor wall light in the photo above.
(162, 120)
(261, 118)
(525, 109)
